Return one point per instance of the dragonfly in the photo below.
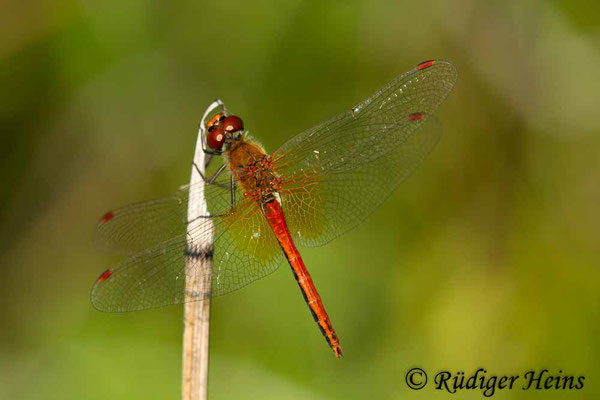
(316, 186)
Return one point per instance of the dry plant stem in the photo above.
(198, 282)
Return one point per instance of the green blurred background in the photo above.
(487, 256)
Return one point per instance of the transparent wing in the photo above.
(337, 173)
(139, 226)
(333, 176)
(245, 249)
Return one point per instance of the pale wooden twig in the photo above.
(198, 282)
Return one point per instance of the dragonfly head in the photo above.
(222, 130)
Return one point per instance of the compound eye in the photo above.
(232, 123)
(215, 138)
(214, 122)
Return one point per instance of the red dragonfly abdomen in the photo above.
(274, 214)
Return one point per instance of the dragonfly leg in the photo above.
(211, 180)
(233, 183)
(209, 158)
(233, 186)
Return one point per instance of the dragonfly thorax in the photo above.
(253, 169)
